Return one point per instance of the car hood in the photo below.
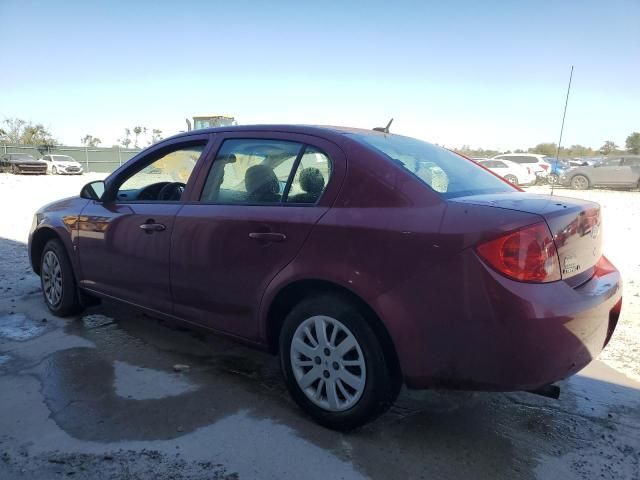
(65, 163)
(62, 205)
(18, 161)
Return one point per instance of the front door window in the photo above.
(164, 179)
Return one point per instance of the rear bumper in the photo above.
(507, 335)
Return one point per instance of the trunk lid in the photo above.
(574, 223)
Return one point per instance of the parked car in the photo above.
(558, 168)
(21, 163)
(621, 172)
(384, 260)
(537, 163)
(510, 171)
(62, 164)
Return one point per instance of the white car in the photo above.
(510, 171)
(61, 164)
(539, 164)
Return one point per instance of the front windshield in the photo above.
(446, 172)
(62, 158)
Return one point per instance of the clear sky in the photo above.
(484, 73)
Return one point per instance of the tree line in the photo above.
(632, 145)
(16, 131)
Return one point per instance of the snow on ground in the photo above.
(21, 196)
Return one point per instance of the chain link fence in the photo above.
(92, 159)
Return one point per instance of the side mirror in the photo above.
(93, 190)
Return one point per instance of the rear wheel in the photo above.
(333, 363)
(58, 281)
(580, 182)
(511, 178)
(552, 178)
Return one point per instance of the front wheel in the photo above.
(552, 179)
(58, 281)
(333, 363)
(580, 182)
(54, 170)
(511, 179)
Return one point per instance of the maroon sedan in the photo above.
(365, 259)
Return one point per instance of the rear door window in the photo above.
(261, 171)
(445, 172)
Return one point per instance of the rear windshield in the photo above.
(445, 172)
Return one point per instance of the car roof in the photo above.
(327, 131)
(509, 163)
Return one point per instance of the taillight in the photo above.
(544, 166)
(527, 255)
(604, 267)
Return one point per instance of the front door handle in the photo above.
(153, 227)
(268, 236)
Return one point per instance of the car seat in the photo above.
(262, 184)
(312, 183)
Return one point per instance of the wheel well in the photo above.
(290, 295)
(39, 240)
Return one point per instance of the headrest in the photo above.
(311, 180)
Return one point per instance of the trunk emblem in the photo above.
(570, 264)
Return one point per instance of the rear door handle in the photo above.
(153, 227)
(268, 236)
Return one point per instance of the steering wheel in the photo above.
(171, 192)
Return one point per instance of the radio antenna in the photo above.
(566, 102)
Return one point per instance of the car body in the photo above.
(382, 246)
(558, 168)
(62, 165)
(21, 163)
(617, 172)
(537, 163)
(511, 171)
(585, 161)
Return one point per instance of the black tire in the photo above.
(382, 383)
(511, 179)
(69, 301)
(580, 182)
